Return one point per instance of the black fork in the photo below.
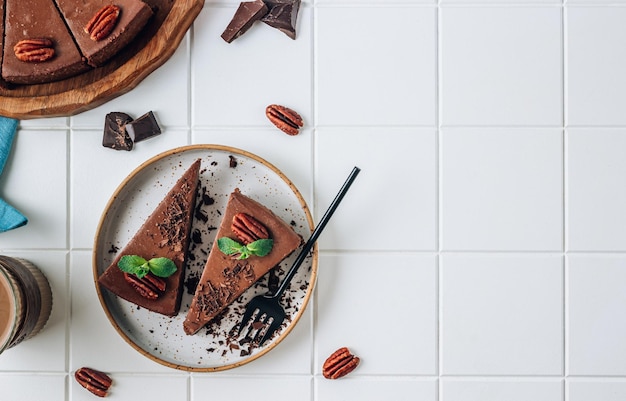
(268, 305)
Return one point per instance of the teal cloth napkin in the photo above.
(10, 217)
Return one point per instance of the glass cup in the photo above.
(25, 301)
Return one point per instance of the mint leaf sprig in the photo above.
(140, 267)
(260, 247)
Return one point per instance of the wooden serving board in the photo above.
(155, 45)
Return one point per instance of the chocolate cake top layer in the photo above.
(133, 16)
(225, 278)
(31, 19)
(165, 233)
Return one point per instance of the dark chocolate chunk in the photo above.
(115, 135)
(247, 13)
(282, 15)
(144, 127)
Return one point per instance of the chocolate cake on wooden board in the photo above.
(64, 24)
(132, 17)
(165, 233)
(154, 45)
(224, 277)
(37, 19)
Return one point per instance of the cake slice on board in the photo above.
(227, 275)
(165, 234)
(38, 47)
(102, 29)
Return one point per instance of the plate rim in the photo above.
(99, 233)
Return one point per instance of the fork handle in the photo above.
(316, 233)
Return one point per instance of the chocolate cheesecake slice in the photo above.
(34, 25)
(165, 233)
(225, 277)
(102, 29)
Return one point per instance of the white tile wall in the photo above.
(501, 65)
(595, 297)
(606, 390)
(501, 389)
(501, 314)
(596, 163)
(501, 189)
(480, 255)
(594, 65)
(362, 78)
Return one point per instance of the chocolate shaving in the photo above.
(214, 298)
(172, 228)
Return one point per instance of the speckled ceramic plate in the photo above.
(161, 338)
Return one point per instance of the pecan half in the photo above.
(248, 229)
(103, 22)
(34, 50)
(284, 119)
(93, 380)
(339, 364)
(150, 286)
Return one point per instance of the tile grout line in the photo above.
(565, 163)
(189, 41)
(68, 255)
(438, 190)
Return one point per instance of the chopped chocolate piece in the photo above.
(206, 198)
(191, 284)
(196, 236)
(200, 215)
(115, 134)
(247, 13)
(282, 15)
(232, 161)
(273, 281)
(144, 127)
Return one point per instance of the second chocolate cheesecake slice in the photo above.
(227, 275)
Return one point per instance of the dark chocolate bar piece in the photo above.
(144, 127)
(247, 13)
(115, 135)
(283, 15)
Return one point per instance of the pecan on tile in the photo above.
(248, 229)
(34, 50)
(149, 286)
(339, 364)
(93, 380)
(103, 22)
(284, 119)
